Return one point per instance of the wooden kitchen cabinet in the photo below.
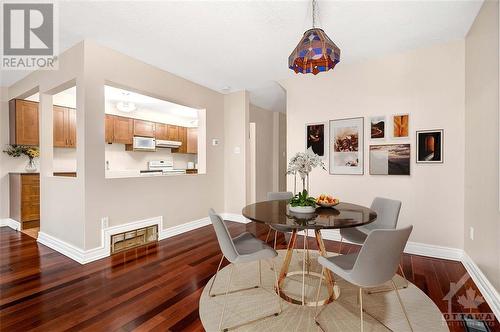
(192, 140)
(72, 127)
(25, 199)
(144, 128)
(23, 122)
(172, 133)
(161, 131)
(108, 128)
(64, 129)
(123, 130)
(182, 137)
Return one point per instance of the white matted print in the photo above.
(346, 146)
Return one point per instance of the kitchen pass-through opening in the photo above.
(147, 136)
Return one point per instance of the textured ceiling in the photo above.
(245, 44)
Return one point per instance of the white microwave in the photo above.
(144, 143)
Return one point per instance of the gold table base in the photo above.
(333, 290)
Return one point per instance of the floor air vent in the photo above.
(132, 239)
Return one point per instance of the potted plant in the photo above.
(31, 152)
(303, 163)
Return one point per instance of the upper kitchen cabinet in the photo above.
(64, 127)
(173, 133)
(144, 128)
(108, 125)
(123, 130)
(182, 131)
(192, 140)
(161, 131)
(23, 122)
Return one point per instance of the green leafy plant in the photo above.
(302, 199)
(16, 151)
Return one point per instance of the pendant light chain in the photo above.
(314, 9)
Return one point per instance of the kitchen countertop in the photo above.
(132, 173)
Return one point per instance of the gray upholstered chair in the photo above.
(244, 248)
(387, 218)
(375, 264)
(274, 196)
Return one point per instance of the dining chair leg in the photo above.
(268, 233)
(402, 304)
(225, 298)
(236, 290)
(275, 238)
(215, 277)
(340, 246)
(361, 308)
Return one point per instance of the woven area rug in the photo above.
(340, 315)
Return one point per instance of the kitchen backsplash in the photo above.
(64, 160)
(119, 159)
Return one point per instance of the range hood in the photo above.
(167, 144)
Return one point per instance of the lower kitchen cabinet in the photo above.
(25, 199)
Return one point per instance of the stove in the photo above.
(162, 167)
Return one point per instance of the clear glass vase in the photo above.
(31, 166)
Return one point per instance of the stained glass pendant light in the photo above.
(316, 52)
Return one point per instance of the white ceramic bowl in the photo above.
(301, 209)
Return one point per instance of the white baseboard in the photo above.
(179, 229)
(488, 291)
(15, 225)
(235, 217)
(69, 250)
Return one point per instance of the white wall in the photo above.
(265, 145)
(236, 173)
(426, 83)
(119, 159)
(481, 143)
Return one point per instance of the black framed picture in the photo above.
(315, 138)
(430, 146)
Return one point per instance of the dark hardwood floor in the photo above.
(154, 288)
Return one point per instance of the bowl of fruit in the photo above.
(324, 200)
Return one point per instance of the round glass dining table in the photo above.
(276, 214)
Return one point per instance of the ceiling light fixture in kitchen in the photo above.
(126, 106)
(315, 52)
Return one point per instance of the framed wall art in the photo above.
(430, 146)
(346, 146)
(390, 159)
(377, 127)
(401, 126)
(316, 138)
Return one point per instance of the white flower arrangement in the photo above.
(303, 163)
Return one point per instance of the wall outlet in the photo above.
(104, 222)
(215, 142)
(471, 233)
(237, 150)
